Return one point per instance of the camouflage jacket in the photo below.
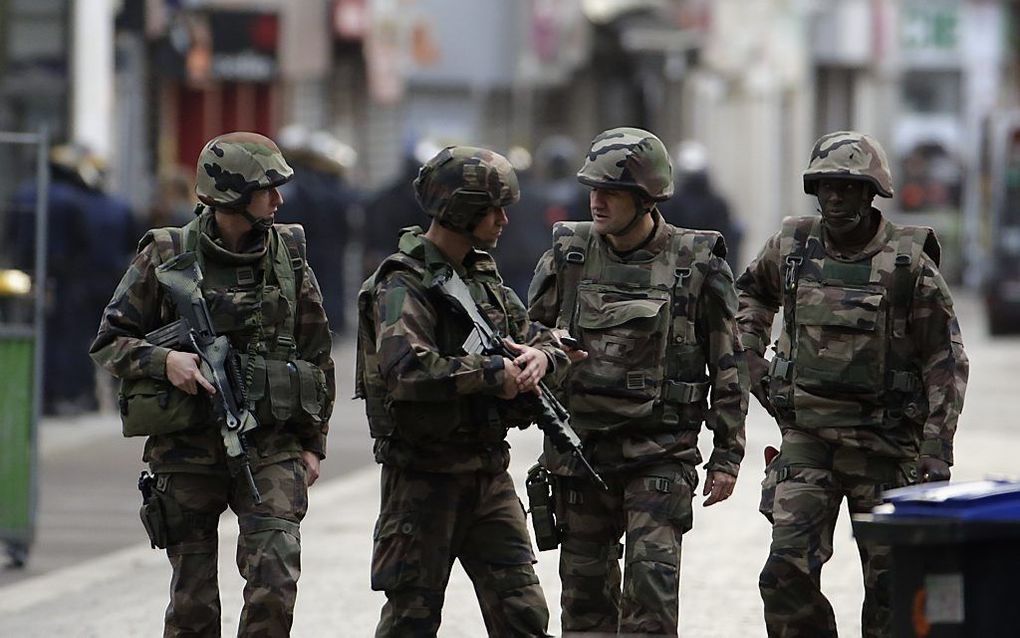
(697, 351)
(140, 305)
(855, 365)
(441, 402)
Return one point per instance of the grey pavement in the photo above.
(123, 592)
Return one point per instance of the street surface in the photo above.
(92, 574)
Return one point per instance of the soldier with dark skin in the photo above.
(440, 416)
(651, 307)
(262, 296)
(867, 380)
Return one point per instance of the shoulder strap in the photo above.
(911, 243)
(571, 242)
(294, 239)
(688, 248)
(792, 246)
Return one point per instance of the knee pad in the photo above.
(253, 524)
(508, 579)
(269, 548)
(208, 547)
(594, 551)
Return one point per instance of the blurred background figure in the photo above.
(549, 194)
(321, 198)
(173, 200)
(394, 206)
(91, 239)
(696, 203)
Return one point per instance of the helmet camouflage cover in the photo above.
(849, 155)
(463, 182)
(234, 165)
(629, 159)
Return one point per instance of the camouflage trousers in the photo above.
(652, 506)
(808, 492)
(268, 549)
(427, 520)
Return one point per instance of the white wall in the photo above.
(92, 74)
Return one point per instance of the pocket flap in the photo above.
(258, 382)
(281, 394)
(599, 309)
(837, 306)
(311, 381)
(144, 387)
(391, 523)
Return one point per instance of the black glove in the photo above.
(932, 469)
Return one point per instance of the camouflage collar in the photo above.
(211, 244)
(414, 244)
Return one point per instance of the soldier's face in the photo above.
(486, 233)
(264, 202)
(611, 210)
(844, 203)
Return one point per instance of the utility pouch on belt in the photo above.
(150, 407)
(283, 391)
(543, 514)
(153, 513)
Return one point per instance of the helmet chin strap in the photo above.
(639, 212)
(843, 231)
(259, 224)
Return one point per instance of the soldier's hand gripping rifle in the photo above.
(193, 332)
(552, 418)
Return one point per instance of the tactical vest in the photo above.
(645, 368)
(469, 419)
(258, 315)
(845, 357)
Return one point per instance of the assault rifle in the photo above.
(193, 332)
(552, 418)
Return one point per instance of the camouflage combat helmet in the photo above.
(234, 165)
(629, 159)
(849, 155)
(461, 183)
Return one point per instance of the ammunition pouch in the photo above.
(287, 391)
(540, 487)
(151, 407)
(424, 422)
(472, 419)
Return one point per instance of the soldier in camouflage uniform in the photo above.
(440, 417)
(653, 307)
(867, 381)
(264, 298)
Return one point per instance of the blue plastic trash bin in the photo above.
(955, 558)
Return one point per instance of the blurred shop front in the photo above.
(216, 70)
(35, 81)
(922, 76)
